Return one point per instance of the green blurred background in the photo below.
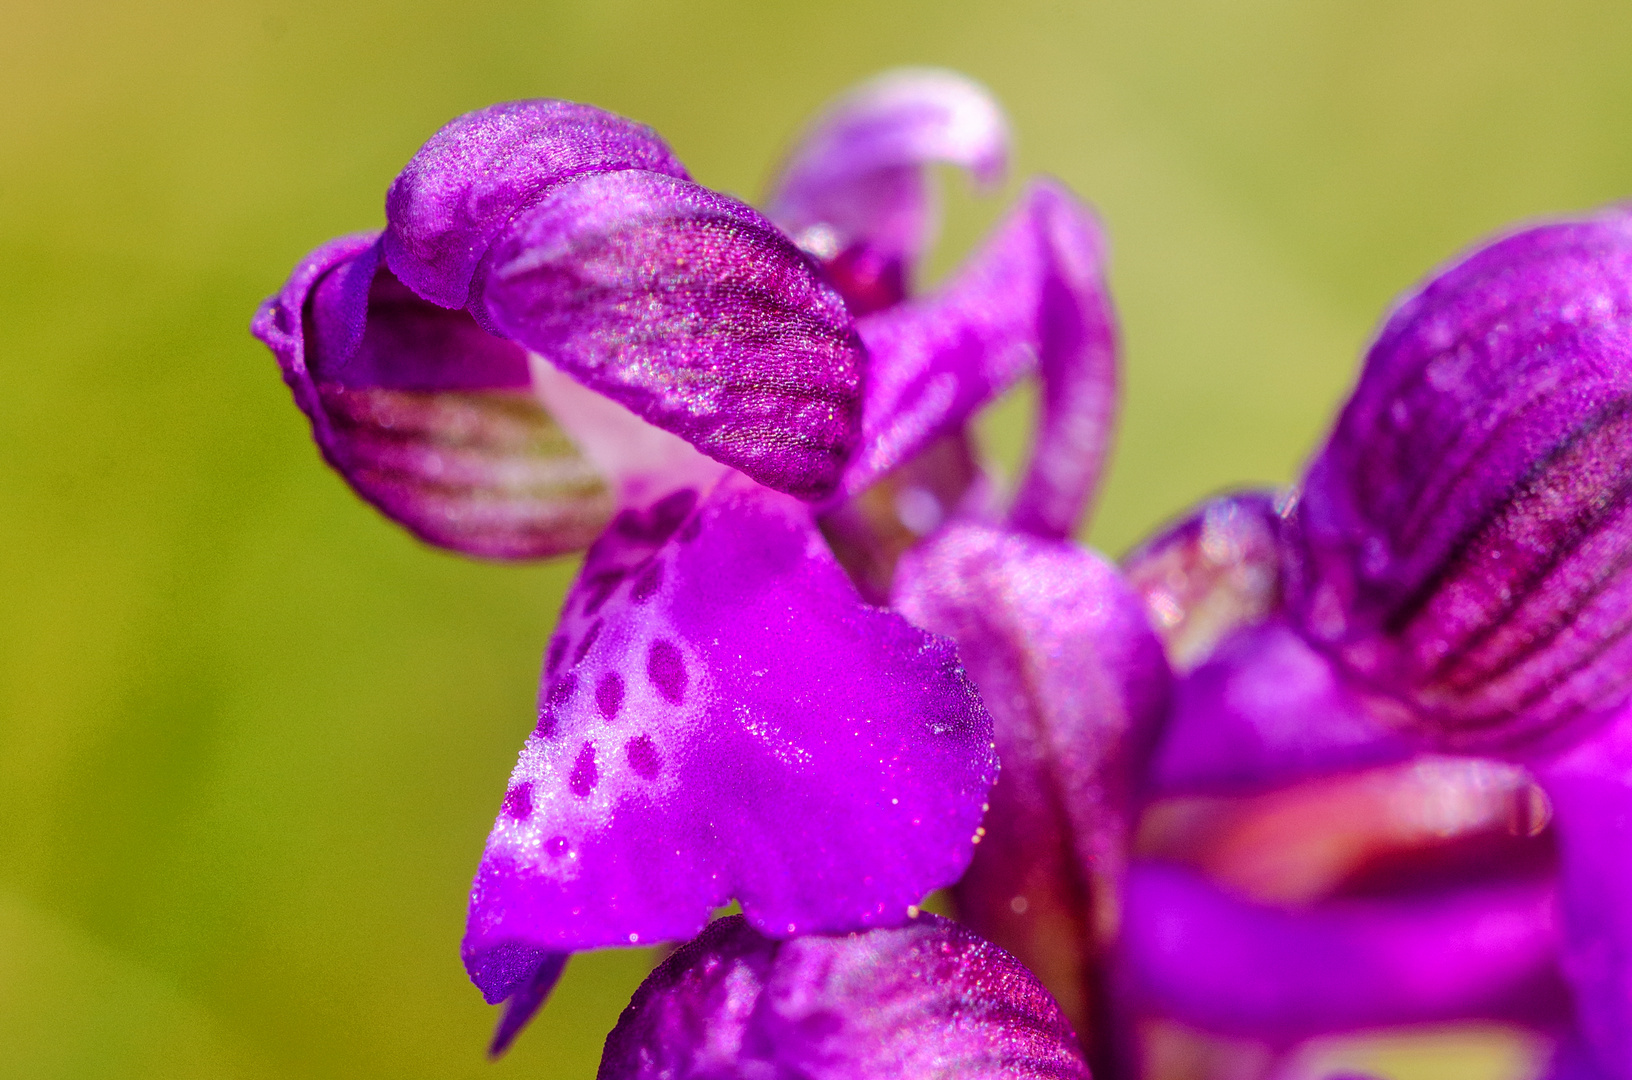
(252, 736)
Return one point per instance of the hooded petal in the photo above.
(721, 716)
(465, 185)
(856, 192)
(1032, 299)
(929, 1001)
(1266, 709)
(1591, 789)
(427, 416)
(1058, 645)
(1465, 537)
(1197, 954)
(691, 310)
(1218, 569)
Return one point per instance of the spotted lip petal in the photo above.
(856, 192)
(1077, 683)
(721, 716)
(463, 187)
(1591, 790)
(425, 415)
(1195, 953)
(929, 1000)
(1033, 298)
(690, 309)
(1465, 537)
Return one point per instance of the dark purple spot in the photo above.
(630, 523)
(584, 775)
(667, 670)
(643, 756)
(585, 645)
(556, 846)
(518, 802)
(598, 588)
(563, 690)
(650, 580)
(609, 694)
(658, 523)
(558, 649)
(693, 527)
(545, 728)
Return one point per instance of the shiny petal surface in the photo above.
(856, 191)
(481, 169)
(929, 1001)
(427, 416)
(1466, 534)
(1214, 571)
(1266, 709)
(1032, 299)
(1195, 953)
(722, 717)
(1077, 684)
(1591, 789)
(692, 311)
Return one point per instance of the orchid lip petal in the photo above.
(857, 179)
(1464, 538)
(721, 716)
(472, 177)
(427, 416)
(523, 1003)
(691, 310)
(928, 999)
(1033, 298)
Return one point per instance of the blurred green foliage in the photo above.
(252, 736)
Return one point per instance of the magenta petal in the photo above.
(856, 192)
(1077, 684)
(481, 169)
(1197, 954)
(1266, 709)
(930, 1001)
(722, 717)
(1033, 298)
(1591, 791)
(1466, 533)
(524, 1001)
(426, 415)
(692, 310)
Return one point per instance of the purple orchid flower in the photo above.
(559, 335)
(1450, 576)
(930, 1000)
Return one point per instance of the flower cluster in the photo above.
(1348, 756)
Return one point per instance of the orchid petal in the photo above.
(466, 184)
(1032, 298)
(1214, 571)
(855, 190)
(1465, 536)
(1077, 683)
(691, 310)
(1197, 954)
(1591, 789)
(425, 415)
(721, 716)
(1265, 709)
(929, 1001)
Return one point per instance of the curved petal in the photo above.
(1195, 953)
(692, 310)
(427, 416)
(930, 1001)
(1077, 684)
(1591, 789)
(855, 190)
(1266, 709)
(721, 716)
(1033, 298)
(466, 184)
(1466, 534)
(1218, 569)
